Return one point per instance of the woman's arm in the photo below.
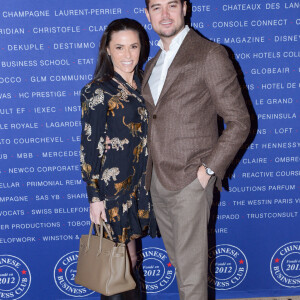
(93, 121)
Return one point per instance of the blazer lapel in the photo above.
(147, 95)
(149, 67)
(177, 63)
(146, 92)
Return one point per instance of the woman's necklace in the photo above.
(133, 85)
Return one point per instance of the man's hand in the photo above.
(97, 211)
(203, 177)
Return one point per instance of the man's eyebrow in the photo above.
(153, 5)
(173, 2)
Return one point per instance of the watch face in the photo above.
(209, 171)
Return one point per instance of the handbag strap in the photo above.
(100, 234)
(103, 224)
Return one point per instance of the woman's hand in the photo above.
(97, 211)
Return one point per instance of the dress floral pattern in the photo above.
(117, 176)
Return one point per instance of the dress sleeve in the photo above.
(93, 121)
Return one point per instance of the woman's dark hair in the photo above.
(104, 68)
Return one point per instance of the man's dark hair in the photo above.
(147, 3)
(104, 68)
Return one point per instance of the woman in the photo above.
(113, 110)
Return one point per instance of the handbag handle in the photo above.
(100, 234)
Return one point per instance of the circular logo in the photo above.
(158, 272)
(64, 276)
(228, 267)
(285, 265)
(15, 277)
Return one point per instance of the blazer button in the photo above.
(154, 116)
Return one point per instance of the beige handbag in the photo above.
(103, 265)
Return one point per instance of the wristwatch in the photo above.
(209, 171)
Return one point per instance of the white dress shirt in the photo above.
(160, 71)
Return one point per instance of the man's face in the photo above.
(166, 16)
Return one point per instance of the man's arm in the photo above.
(225, 91)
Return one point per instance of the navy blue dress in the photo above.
(114, 109)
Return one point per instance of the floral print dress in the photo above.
(117, 176)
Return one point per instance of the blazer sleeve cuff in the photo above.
(218, 170)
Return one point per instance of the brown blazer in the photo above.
(183, 133)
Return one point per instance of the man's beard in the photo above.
(174, 32)
(170, 34)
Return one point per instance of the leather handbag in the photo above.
(103, 265)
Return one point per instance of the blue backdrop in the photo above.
(48, 51)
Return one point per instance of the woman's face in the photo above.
(124, 49)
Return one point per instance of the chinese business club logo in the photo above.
(64, 276)
(228, 267)
(285, 265)
(158, 272)
(15, 277)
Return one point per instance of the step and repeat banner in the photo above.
(48, 51)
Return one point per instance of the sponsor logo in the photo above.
(285, 265)
(15, 277)
(228, 267)
(64, 276)
(158, 272)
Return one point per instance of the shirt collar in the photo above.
(177, 40)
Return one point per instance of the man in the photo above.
(186, 85)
